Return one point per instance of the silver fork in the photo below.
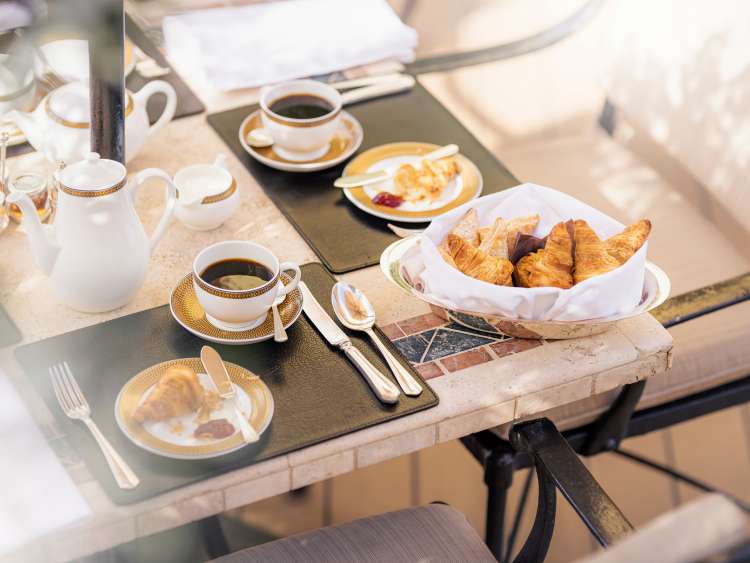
(75, 406)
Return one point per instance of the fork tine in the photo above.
(61, 398)
(67, 387)
(70, 400)
(74, 384)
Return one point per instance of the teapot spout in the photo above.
(45, 252)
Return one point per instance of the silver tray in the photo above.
(656, 289)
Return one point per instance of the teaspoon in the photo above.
(355, 312)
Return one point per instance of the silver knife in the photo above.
(217, 371)
(383, 387)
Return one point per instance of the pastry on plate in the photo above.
(477, 264)
(178, 392)
(591, 256)
(424, 182)
(552, 266)
(622, 246)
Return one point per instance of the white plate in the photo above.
(465, 186)
(69, 58)
(160, 438)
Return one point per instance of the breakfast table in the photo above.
(482, 381)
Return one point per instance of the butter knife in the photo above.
(359, 180)
(217, 371)
(383, 387)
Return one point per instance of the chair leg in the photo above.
(213, 537)
(498, 476)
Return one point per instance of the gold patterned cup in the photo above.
(301, 140)
(240, 309)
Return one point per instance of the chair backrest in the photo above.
(680, 70)
(708, 526)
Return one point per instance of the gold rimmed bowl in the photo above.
(656, 289)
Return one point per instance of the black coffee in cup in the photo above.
(237, 274)
(301, 106)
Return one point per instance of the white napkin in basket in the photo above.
(615, 292)
(248, 46)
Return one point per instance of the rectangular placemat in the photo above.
(187, 102)
(343, 237)
(317, 393)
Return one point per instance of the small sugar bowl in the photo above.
(207, 195)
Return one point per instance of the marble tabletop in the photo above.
(481, 382)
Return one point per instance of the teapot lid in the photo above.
(92, 174)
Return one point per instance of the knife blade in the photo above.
(217, 371)
(383, 387)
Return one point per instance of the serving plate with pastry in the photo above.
(418, 189)
(174, 410)
(530, 262)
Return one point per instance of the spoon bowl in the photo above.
(355, 312)
(259, 138)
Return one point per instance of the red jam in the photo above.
(388, 199)
(214, 429)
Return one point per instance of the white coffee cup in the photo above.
(301, 139)
(240, 309)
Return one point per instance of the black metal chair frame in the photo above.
(554, 455)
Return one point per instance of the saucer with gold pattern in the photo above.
(187, 311)
(346, 141)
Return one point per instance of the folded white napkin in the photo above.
(615, 292)
(265, 43)
(36, 493)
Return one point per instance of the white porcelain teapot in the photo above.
(60, 125)
(98, 256)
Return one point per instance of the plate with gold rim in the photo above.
(465, 186)
(174, 438)
(347, 140)
(187, 311)
(15, 135)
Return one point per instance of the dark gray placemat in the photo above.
(317, 393)
(343, 237)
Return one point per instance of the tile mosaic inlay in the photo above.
(437, 346)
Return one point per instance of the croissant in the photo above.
(551, 266)
(468, 227)
(177, 392)
(622, 246)
(477, 264)
(494, 240)
(592, 258)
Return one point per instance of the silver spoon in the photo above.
(355, 312)
(279, 332)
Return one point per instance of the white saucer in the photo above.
(344, 144)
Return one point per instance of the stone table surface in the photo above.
(511, 381)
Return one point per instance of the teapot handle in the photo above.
(158, 87)
(171, 194)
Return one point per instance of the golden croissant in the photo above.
(178, 392)
(477, 264)
(592, 258)
(552, 266)
(622, 246)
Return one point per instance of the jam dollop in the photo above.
(388, 199)
(214, 429)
